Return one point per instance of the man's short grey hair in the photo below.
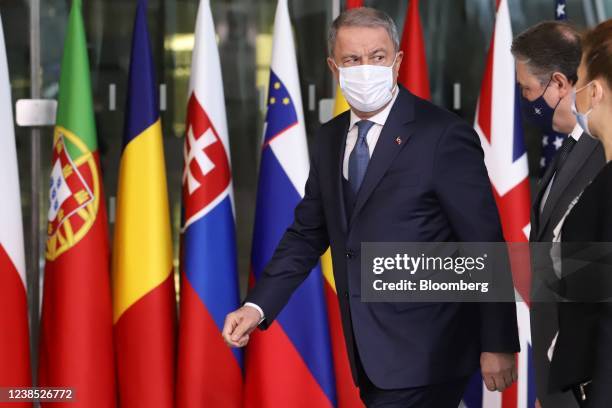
(362, 17)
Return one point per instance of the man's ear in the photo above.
(332, 67)
(563, 84)
(398, 61)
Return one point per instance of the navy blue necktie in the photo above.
(360, 156)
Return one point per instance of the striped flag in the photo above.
(76, 339)
(413, 72)
(347, 392)
(290, 364)
(209, 372)
(551, 143)
(14, 336)
(143, 283)
(498, 123)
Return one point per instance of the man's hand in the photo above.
(498, 370)
(239, 325)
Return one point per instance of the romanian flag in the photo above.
(14, 336)
(347, 392)
(76, 343)
(144, 310)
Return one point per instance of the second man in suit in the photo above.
(547, 57)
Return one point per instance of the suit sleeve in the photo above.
(602, 375)
(463, 188)
(297, 253)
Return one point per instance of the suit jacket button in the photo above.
(346, 294)
(349, 254)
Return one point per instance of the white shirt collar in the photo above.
(577, 132)
(381, 117)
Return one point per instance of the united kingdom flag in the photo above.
(498, 123)
(209, 372)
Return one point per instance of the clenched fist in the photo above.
(498, 370)
(239, 325)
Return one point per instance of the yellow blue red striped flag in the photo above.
(144, 310)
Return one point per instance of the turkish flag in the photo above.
(413, 71)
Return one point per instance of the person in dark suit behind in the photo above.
(547, 56)
(582, 358)
(395, 168)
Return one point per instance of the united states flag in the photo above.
(551, 142)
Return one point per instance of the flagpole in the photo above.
(33, 275)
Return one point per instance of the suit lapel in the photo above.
(574, 162)
(542, 184)
(387, 147)
(339, 133)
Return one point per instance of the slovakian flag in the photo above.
(15, 368)
(76, 337)
(498, 123)
(209, 372)
(144, 307)
(413, 73)
(289, 364)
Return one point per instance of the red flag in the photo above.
(353, 4)
(413, 71)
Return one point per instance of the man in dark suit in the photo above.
(395, 168)
(547, 58)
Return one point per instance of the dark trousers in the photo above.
(444, 395)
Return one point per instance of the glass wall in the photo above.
(457, 34)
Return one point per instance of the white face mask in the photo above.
(367, 88)
(582, 118)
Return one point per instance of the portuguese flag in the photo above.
(76, 344)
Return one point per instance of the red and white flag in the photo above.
(14, 334)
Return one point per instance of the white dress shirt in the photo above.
(576, 133)
(351, 138)
(373, 134)
(555, 251)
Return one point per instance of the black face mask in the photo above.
(538, 112)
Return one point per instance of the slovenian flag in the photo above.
(144, 307)
(289, 364)
(209, 372)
